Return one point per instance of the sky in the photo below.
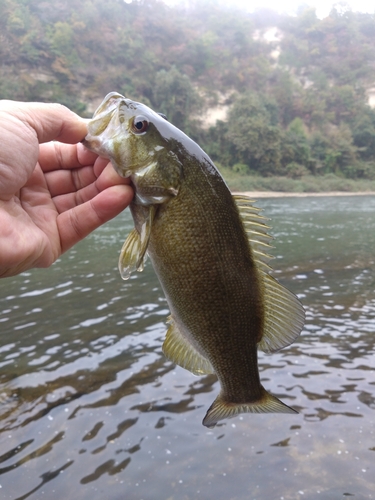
(323, 7)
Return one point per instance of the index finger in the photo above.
(50, 121)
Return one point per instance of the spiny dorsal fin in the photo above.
(179, 350)
(256, 229)
(283, 313)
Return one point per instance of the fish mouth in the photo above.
(104, 114)
(109, 102)
(104, 118)
(108, 131)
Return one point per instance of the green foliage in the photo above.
(241, 169)
(296, 105)
(174, 95)
(18, 19)
(253, 134)
(363, 130)
(296, 170)
(304, 184)
(61, 40)
(295, 147)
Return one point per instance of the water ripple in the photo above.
(89, 404)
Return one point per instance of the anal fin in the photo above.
(179, 350)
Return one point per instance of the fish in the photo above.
(209, 249)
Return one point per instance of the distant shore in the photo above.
(281, 194)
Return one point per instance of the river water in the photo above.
(91, 409)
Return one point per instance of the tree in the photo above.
(364, 133)
(254, 135)
(174, 95)
(295, 145)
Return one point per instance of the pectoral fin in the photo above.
(179, 350)
(129, 256)
(283, 313)
(133, 252)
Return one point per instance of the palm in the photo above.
(29, 220)
(48, 206)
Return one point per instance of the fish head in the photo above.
(130, 134)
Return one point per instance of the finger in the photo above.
(50, 122)
(82, 184)
(56, 155)
(62, 182)
(100, 164)
(77, 223)
(108, 176)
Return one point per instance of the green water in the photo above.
(91, 409)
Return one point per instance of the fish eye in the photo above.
(140, 125)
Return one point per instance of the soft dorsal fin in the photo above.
(178, 349)
(283, 313)
(284, 316)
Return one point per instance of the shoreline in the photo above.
(287, 194)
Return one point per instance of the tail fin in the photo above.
(221, 409)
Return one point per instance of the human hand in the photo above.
(52, 194)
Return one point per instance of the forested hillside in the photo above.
(291, 92)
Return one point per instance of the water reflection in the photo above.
(89, 406)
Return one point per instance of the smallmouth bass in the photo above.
(209, 251)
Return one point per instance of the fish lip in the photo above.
(106, 111)
(99, 123)
(110, 102)
(92, 144)
(102, 118)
